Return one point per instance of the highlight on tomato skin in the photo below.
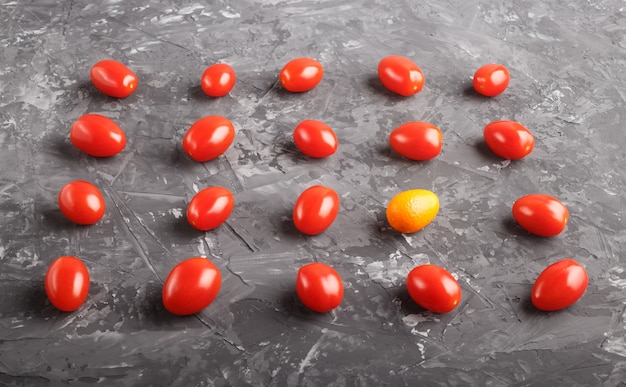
(81, 202)
(113, 78)
(208, 138)
(509, 139)
(210, 208)
(315, 139)
(400, 75)
(67, 283)
(315, 209)
(218, 80)
(559, 285)
(491, 79)
(191, 286)
(97, 135)
(319, 287)
(301, 74)
(417, 140)
(433, 288)
(540, 214)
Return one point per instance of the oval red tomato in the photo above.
(433, 288)
(315, 210)
(509, 139)
(97, 136)
(191, 286)
(218, 80)
(319, 287)
(416, 140)
(540, 214)
(113, 78)
(301, 74)
(81, 202)
(210, 208)
(400, 75)
(559, 285)
(67, 283)
(315, 139)
(491, 79)
(208, 138)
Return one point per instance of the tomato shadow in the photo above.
(283, 221)
(407, 305)
(468, 91)
(53, 219)
(95, 95)
(374, 84)
(183, 231)
(150, 306)
(196, 93)
(290, 305)
(34, 303)
(63, 149)
(511, 227)
(484, 151)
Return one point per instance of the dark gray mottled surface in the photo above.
(568, 65)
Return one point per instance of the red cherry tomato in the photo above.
(315, 210)
(81, 202)
(509, 139)
(559, 285)
(67, 283)
(491, 79)
(191, 286)
(400, 75)
(208, 138)
(218, 80)
(540, 214)
(301, 74)
(416, 140)
(97, 136)
(315, 139)
(319, 287)
(113, 78)
(210, 208)
(433, 288)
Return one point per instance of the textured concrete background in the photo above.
(568, 66)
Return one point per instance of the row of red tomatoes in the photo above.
(194, 283)
(211, 136)
(314, 210)
(397, 73)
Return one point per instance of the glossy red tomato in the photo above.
(208, 138)
(210, 208)
(433, 288)
(416, 140)
(509, 139)
(81, 202)
(319, 287)
(191, 286)
(67, 283)
(113, 78)
(301, 74)
(315, 210)
(315, 139)
(400, 75)
(97, 136)
(218, 80)
(559, 285)
(540, 214)
(491, 79)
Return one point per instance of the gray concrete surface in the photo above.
(568, 66)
